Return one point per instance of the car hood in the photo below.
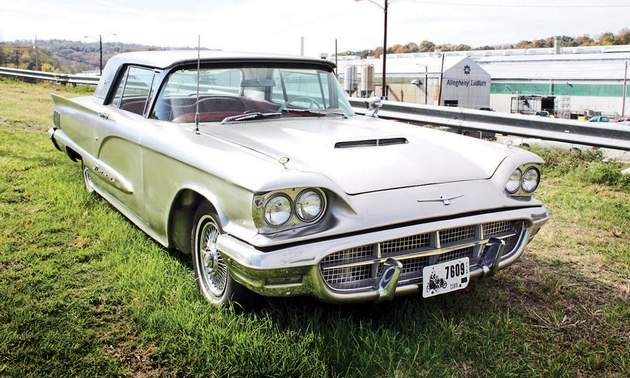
(425, 157)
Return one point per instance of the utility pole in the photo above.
(426, 84)
(302, 46)
(336, 61)
(625, 90)
(100, 55)
(36, 55)
(384, 93)
(384, 7)
(100, 49)
(441, 79)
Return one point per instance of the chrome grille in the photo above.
(454, 255)
(350, 255)
(457, 234)
(406, 244)
(349, 277)
(498, 228)
(415, 265)
(359, 267)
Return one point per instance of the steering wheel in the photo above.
(311, 103)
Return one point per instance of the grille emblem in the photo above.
(444, 199)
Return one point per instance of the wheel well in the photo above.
(73, 155)
(180, 219)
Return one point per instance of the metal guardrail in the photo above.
(50, 76)
(596, 134)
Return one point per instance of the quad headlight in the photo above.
(523, 181)
(278, 210)
(514, 183)
(309, 205)
(530, 180)
(288, 208)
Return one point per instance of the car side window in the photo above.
(119, 90)
(134, 90)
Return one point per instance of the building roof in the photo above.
(401, 65)
(600, 66)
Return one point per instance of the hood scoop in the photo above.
(371, 142)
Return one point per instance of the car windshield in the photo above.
(226, 93)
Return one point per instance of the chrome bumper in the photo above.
(295, 270)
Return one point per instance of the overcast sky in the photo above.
(276, 25)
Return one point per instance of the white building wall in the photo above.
(467, 83)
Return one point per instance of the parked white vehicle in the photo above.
(282, 190)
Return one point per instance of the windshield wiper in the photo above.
(318, 113)
(250, 116)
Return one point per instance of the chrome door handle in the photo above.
(103, 115)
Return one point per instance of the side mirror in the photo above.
(374, 104)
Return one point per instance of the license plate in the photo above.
(445, 277)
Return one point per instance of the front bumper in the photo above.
(295, 270)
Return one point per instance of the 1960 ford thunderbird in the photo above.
(257, 167)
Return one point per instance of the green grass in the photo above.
(84, 292)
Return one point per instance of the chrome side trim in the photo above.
(95, 165)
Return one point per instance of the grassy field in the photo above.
(83, 292)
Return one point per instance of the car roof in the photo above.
(162, 59)
(166, 58)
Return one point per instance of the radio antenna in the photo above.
(198, 67)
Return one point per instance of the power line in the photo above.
(502, 5)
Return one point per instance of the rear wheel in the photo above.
(213, 274)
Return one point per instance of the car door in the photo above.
(118, 171)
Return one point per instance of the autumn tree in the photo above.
(606, 39)
(426, 46)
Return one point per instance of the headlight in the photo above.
(514, 183)
(278, 210)
(530, 180)
(309, 205)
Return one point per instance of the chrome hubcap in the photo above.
(213, 267)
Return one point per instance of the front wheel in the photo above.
(213, 274)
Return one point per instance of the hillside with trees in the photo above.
(57, 55)
(604, 39)
(27, 57)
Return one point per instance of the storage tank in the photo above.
(366, 82)
(350, 79)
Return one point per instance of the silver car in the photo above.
(257, 167)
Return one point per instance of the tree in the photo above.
(411, 47)
(566, 41)
(2, 57)
(538, 43)
(426, 46)
(623, 38)
(606, 39)
(584, 40)
(396, 49)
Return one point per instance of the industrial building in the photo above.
(450, 81)
(566, 82)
